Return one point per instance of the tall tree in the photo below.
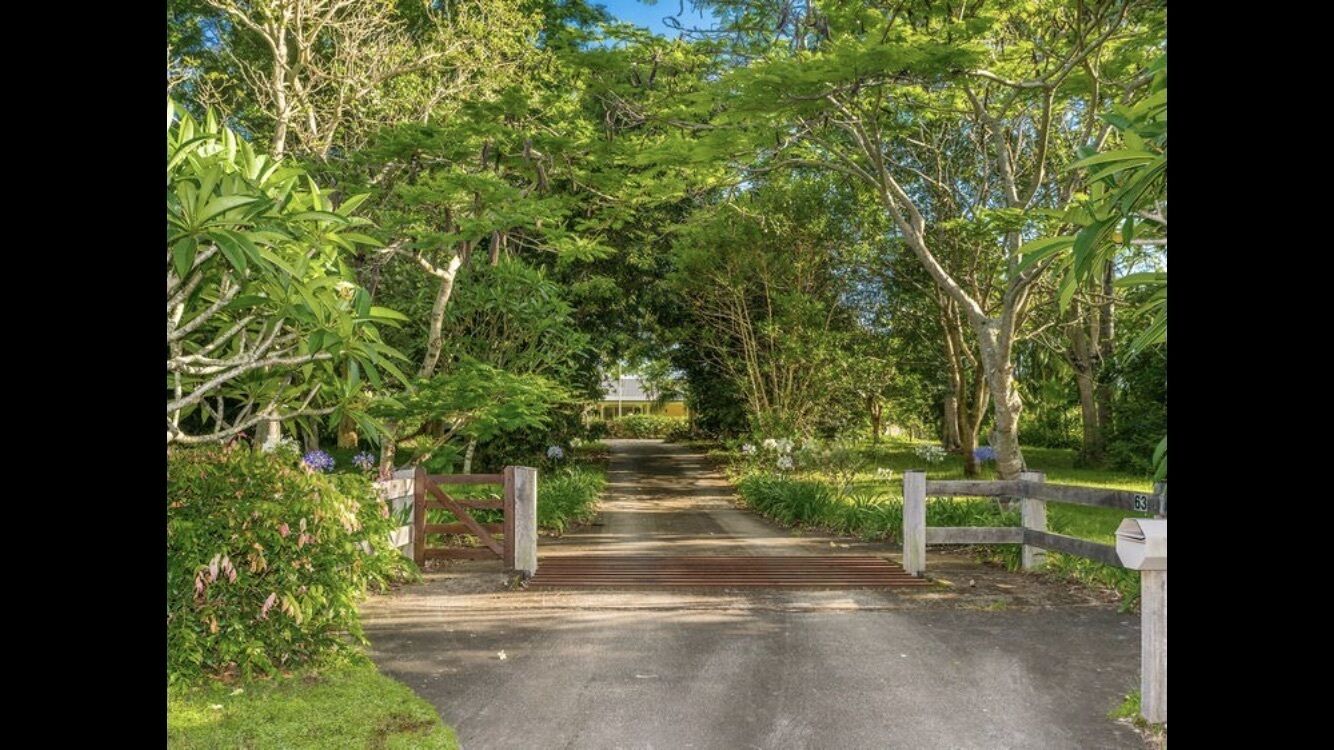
(851, 88)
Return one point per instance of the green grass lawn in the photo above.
(349, 705)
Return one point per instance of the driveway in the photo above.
(986, 659)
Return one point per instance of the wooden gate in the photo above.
(517, 532)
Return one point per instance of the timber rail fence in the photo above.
(1034, 493)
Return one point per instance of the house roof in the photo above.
(627, 388)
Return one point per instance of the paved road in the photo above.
(1006, 663)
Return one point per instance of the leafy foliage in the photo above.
(475, 399)
(263, 318)
(266, 560)
(569, 496)
(641, 426)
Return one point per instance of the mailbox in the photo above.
(1141, 543)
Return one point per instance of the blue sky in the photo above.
(643, 14)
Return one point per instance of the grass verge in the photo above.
(871, 507)
(344, 705)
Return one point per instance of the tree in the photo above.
(1123, 213)
(317, 76)
(263, 320)
(757, 274)
(856, 84)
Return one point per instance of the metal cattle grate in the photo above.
(731, 571)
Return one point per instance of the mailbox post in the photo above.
(1141, 543)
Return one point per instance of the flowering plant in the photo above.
(318, 461)
(748, 449)
(932, 454)
(365, 460)
(785, 462)
(984, 454)
(555, 453)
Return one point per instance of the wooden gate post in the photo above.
(508, 529)
(1153, 645)
(521, 519)
(419, 516)
(1033, 515)
(914, 521)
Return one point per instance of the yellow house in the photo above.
(628, 394)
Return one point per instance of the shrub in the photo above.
(839, 461)
(266, 559)
(643, 426)
(596, 429)
(869, 515)
(568, 496)
(678, 431)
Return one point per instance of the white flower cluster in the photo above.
(748, 449)
(785, 462)
(932, 454)
(555, 453)
(781, 445)
(884, 473)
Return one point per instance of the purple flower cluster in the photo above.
(318, 461)
(984, 454)
(365, 460)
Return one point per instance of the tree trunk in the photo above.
(467, 455)
(311, 440)
(1106, 351)
(950, 438)
(967, 446)
(434, 344)
(1088, 409)
(268, 431)
(1006, 403)
(387, 451)
(435, 341)
(347, 433)
(876, 409)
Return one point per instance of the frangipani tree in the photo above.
(264, 322)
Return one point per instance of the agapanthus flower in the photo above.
(555, 453)
(785, 462)
(770, 444)
(748, 449)
(985, 453)
(365, 460)
(318, 461)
